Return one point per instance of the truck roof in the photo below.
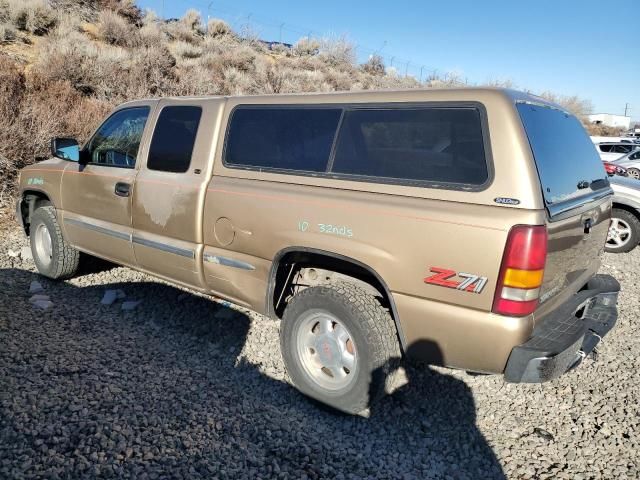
(413, 94)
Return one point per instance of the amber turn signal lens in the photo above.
(516, 278)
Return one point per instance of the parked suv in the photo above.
(464, 226)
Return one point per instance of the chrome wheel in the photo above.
(326, 350)
(44, 248)
(619, 233)
(634, 173)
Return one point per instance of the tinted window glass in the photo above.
(563, 152)
(173, 139)
(622, 148)
(282, 138)
(117, 141)
(423, 144)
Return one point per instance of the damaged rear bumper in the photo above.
(567, 335)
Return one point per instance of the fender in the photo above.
(270, 308)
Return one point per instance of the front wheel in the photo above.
(624, 232)
(339, 345)
(53, 256)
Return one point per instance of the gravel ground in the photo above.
(183, 387)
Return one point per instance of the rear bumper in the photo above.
(566, 336)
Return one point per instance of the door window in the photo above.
(174, 138)
(117, 141)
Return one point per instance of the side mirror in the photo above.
(65, 148)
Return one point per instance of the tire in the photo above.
(624, 232)
(374, 346)
(54, 258)
(633, 173)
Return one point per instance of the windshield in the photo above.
(568, 164)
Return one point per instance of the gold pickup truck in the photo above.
(460, 226)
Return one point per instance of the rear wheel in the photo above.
(633, 173)
(624, 232)
(339, 345)
(53, 256)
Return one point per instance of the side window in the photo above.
(430, 144)
(281, 138)
(173, 139)
(624, 148)
(117, 141)
(605, 148)
(635, 156)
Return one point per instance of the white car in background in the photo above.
(630, 161)
(612, 151)
(624, 231)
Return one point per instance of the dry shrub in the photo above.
(33, 16)
(12, 86)
(125, 8)
(580, 107)
(106, 72)
(7, 33)
(152, 73)
(114, 30)
(183, 49)
(338, 51)
(218, 28)
(235, 82)
(32, 110)
(240, 58)
(601, 130)
(374, 66)
(195, 79)
(151, 35)
(306, 46)
(187, 29)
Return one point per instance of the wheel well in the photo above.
(297, 270)
(627, 208)
(31, 200)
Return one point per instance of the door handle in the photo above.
(122, 189)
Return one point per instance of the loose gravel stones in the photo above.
(184, 387)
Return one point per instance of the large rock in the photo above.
(26, 254)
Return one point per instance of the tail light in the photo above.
(522, 271)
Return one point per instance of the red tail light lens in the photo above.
(522, 271)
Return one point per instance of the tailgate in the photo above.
(577, 197)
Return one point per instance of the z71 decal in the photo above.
(469, 283)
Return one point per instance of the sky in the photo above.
(569, 47)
